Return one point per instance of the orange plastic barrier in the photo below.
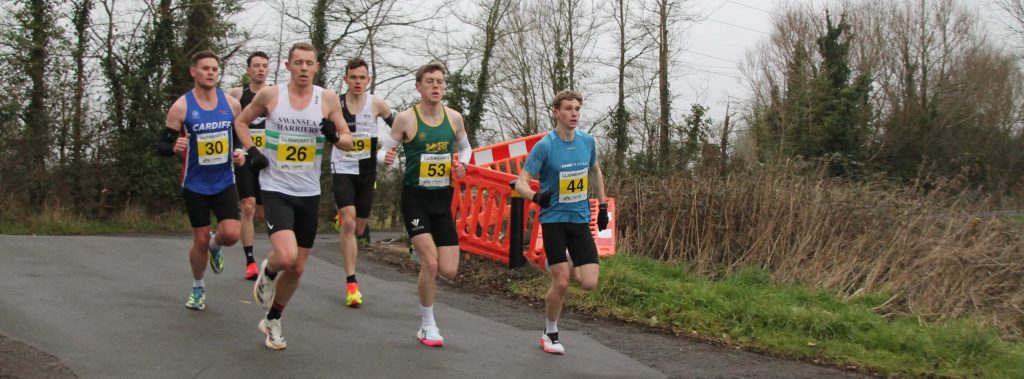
(481, 205)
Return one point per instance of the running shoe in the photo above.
(353, 298)
(553, 347)
(272, 329)
(197, 299)
(216, 258)
(251, 271)
(430, 336)
(264, 288)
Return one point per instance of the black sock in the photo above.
(248, 254)
(351, 279)
(271, 275)
(552, 336)
(275, 311)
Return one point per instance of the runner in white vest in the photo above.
(355, 172)
(298, 113)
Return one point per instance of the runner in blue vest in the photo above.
(199, 127)
(564, 162)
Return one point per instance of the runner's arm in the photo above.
(333, 103)
(384, 111)
(599, 183)
(170, 139)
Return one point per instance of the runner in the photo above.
(355, 172)
(429, 133)
(248, 180)
(199, 128)
(564, 161)
(298, 113)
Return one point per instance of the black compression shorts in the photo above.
(429, 211)
(298, 214)
(560, 236)
(355, 190)
(248, 181)
(224, 206)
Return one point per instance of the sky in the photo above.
(711, 51)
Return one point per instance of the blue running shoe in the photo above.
(216, 258)
(196, 299)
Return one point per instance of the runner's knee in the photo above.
(449, 272)
(248, 206)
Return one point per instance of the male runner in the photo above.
(355, 171)
(564, 161)
(297, 114)
(199, 127)
(430, 132)
(247, 178)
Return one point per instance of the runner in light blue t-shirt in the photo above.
(565, 162)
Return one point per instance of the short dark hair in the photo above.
(428, 68)
(248, 61)
(203, 55)
(564, 95)
(355, 63)
(300, 46)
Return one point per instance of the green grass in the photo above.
(63, 223)
(747, 309)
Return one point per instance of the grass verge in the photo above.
(131, 220)
(747, 309)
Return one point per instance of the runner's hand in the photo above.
(180, 145)
(460, 169)
(259, 161)
(602, 216)
(542, 198)
(239, 157)
(389, 158)
(330, 131)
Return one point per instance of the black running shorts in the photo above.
(559, 236)
(298, 214)
(248, 181)
(429, 211)
(224, 206)
(355, 190)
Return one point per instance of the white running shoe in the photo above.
(430, 336)
(553, 347)
(264, 288)
(272, 328)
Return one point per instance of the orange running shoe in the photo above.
(251, 271)
(353, 298)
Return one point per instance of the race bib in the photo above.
(572, 186)
(435, 170)
(259, 137)
(212, 148)
(296, 153)
(360, 146)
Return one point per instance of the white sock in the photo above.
(198, 283)
(550, 326)
(213, 242)
(427, 316)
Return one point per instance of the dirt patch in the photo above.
(21, 360)
(481, 287)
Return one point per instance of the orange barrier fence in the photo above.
(481, 205)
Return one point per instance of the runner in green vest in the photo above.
(430, 133)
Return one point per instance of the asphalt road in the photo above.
(114, 307)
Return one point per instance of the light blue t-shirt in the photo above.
(563, 168)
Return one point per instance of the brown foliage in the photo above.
(933, 252)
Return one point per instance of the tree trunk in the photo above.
(318, 37)
(37, 118)
(664, 100)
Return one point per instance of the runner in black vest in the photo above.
(247, 178)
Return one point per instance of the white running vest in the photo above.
(347, 162)
(294, 146)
